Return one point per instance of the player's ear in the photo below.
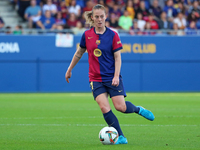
(92, 17)
(106, 16)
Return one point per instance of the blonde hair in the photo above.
(88, 14)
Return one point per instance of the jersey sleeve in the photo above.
(83, 42)
(117, 45)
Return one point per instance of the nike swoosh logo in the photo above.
(119, 90)
(90, 37)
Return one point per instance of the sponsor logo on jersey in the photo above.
(98, 42)
(90, 37)
(118, 42)
(97, 52)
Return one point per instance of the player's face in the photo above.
(99, 18)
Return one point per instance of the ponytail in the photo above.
(88, 18)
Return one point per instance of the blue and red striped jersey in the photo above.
(101, 48)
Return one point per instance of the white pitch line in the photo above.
(99, 125)
(163, 94)
(38, 118)
(91, 117)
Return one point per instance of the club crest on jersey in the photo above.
(98, 42)
(97, 52)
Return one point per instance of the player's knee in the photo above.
(104, 109)
(121, 108)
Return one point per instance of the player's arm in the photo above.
(117, 57)
(77, 56)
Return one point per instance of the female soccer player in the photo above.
(103, 46)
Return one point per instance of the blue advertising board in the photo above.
(149, 64)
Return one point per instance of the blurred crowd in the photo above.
(136, 17)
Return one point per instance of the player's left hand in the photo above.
(68, 75)
(115, 81)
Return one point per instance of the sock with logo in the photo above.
(112, 121)
(130, 108)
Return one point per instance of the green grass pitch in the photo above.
(70, 121)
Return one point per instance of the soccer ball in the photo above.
(108, 135)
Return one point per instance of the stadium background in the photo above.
(39, 111)
(156, 59)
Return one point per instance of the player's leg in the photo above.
(103, 102)
(117, 95)
(120, 105)
(109, 116)
(127, 107)
(124, 106)
(101, 96)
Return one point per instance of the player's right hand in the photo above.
(68, 75)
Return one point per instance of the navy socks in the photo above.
(130, 108)
(112, 121)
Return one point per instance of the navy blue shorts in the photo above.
(103, 87)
